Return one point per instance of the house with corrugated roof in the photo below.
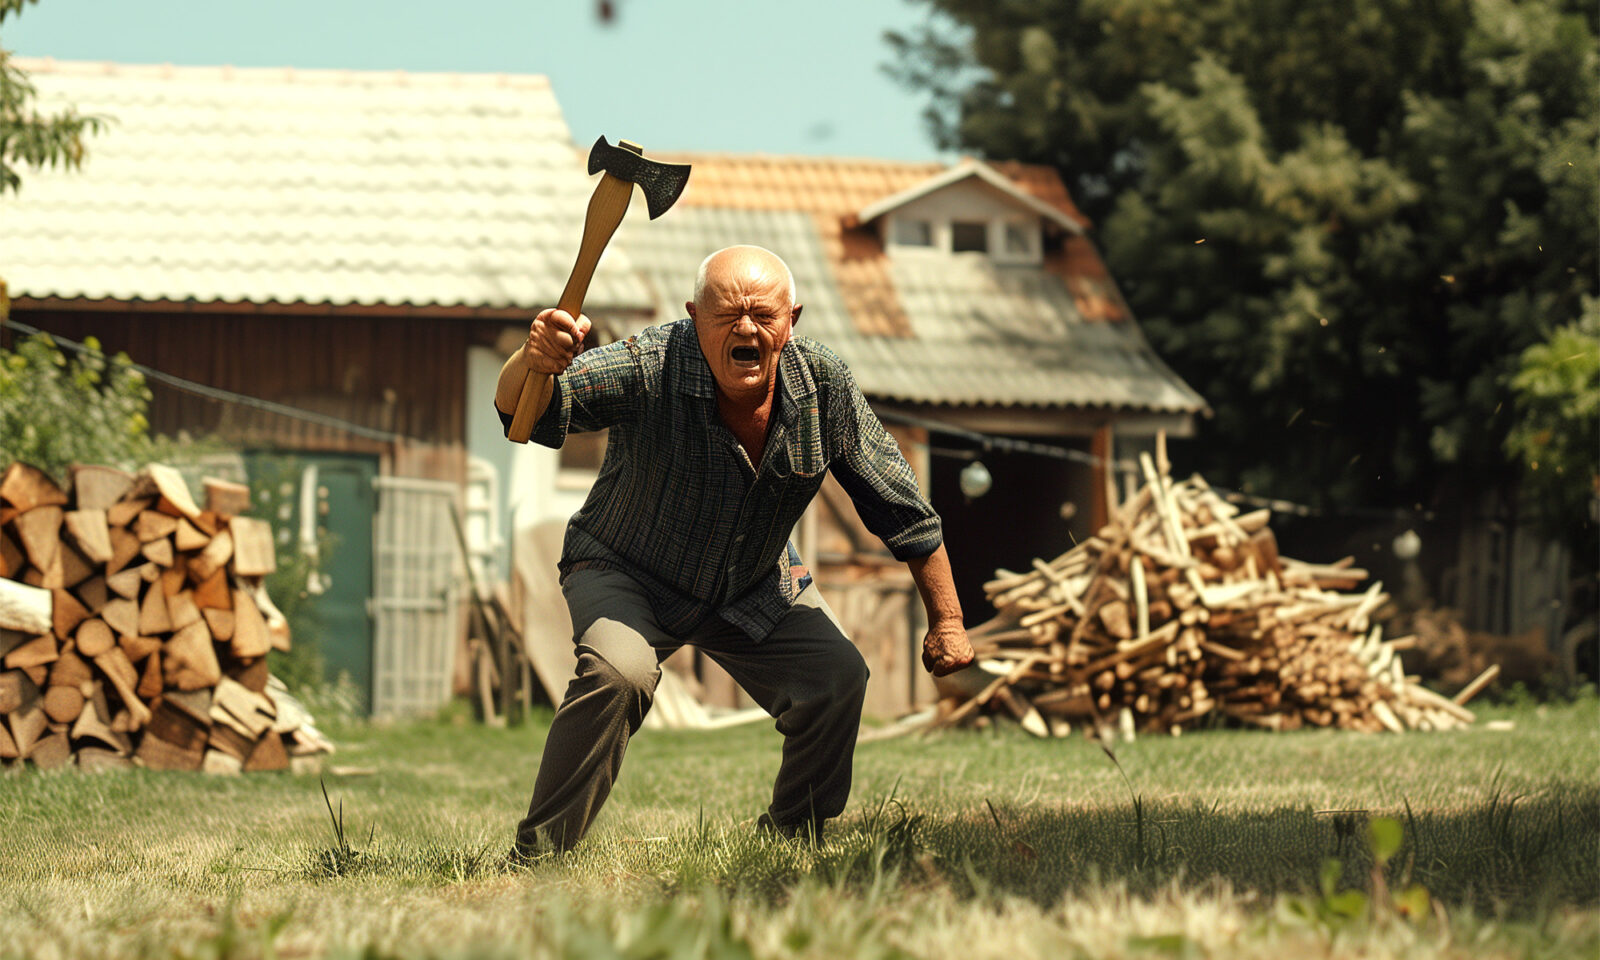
(342, 259)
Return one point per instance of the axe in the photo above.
(623, 166)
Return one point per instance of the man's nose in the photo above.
(744, 324)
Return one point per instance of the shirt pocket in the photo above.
(802, 461)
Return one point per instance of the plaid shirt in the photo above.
(677, 504)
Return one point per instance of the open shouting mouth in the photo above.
(746, 355)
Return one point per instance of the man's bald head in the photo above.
(742, 261)
(744, 312)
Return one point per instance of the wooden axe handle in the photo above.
(606, 207)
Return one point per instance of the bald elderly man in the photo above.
(721, 425)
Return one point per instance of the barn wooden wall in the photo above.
(399, 374)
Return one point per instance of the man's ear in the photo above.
(689, 306)
(794, 318)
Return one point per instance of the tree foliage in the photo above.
(29, 138)
(1343, 223)
(1557, 389)
(56, 411)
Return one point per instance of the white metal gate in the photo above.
(414, 595)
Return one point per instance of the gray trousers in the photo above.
(806, 674)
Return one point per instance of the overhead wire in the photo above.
(987, 441)
(217, 394)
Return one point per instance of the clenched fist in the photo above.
(946, 649)
(554, 339)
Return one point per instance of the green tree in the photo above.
(30, 138)
(1342, 222)
(56, 410)
(1557, 389)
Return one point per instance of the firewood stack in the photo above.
(1181, 609)
(134, 627)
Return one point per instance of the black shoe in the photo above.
(520, 858)
(806, 830)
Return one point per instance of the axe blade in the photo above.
(662, 183)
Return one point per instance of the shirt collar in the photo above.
(691, 373)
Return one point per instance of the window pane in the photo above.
(913, 233)
(1018, 239)
(969, 236)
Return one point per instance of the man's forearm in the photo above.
(509, 386)
(938, 587)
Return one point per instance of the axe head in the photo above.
(662, 183)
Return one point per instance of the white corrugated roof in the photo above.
(313, 186)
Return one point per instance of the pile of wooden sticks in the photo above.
(1180, 611)
(134, 627)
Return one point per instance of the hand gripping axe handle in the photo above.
(622, 167)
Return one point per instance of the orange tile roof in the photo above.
(832, 190)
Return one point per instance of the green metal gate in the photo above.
(324, 506)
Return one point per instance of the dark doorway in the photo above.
(1019, 518)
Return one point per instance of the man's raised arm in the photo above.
(554, 339)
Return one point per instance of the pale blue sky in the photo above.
(802, 76)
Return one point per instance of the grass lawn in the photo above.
(965, 845)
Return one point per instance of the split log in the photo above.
(157, 754)
(188, 537)
(24, 608)
(268, 754)
(152, 680)
(154, 525)
(63, 704)
(213, 593)
(249, 628)
(213, 558)
(137, 648)
(51, 751)
(230, 741)
(158, 552)
(40, 532)
(226, 498)
(126, 511)
(97, 487)
(27, 488)
(189, 660)
(15, 690)
(175, 498)
(92, 593)
(153, 616)
(94, 637)
(252, 547)
(181, 610)
(69, 670)
(125, 583)
(38, 652)
(122, 616)
(119, 670)
(12, 559)
(91, 534)
(220, 623)
(27, 718)
(218, 763)
(125, 546)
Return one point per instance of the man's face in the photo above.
(743, 319)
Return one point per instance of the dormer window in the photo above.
(1021, 240)
(969, 236)
(909, 232)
